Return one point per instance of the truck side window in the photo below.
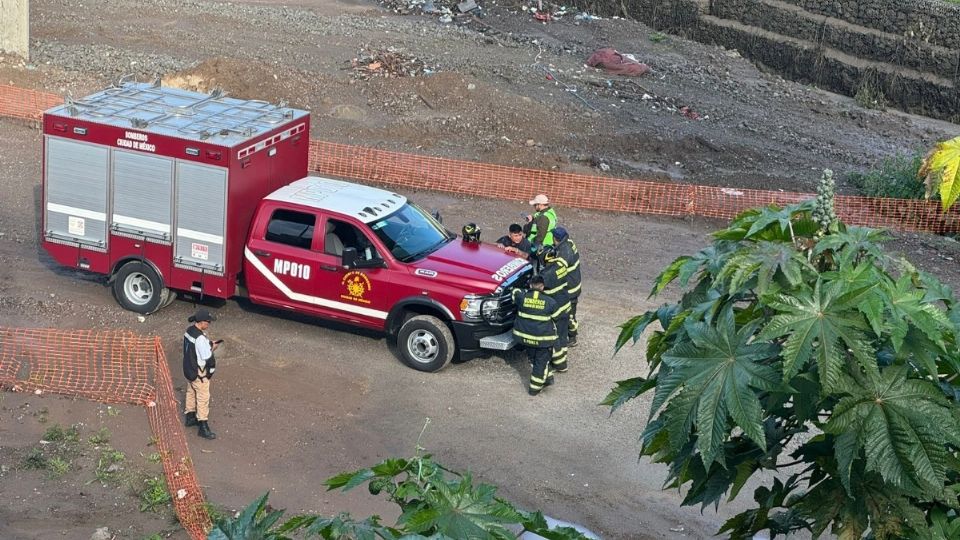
(340, 234)
(291, 228)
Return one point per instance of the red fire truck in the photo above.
(166, 191)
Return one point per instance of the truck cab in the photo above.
(369, 257)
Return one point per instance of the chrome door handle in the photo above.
(261, 253)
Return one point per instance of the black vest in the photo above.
(191, 370)
(534, 325)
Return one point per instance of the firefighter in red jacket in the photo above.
(198, 367)
(535, 328)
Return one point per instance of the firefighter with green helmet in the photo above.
(540, 225)
(536, 329)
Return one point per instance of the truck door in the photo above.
(362, 295)
(281, 262)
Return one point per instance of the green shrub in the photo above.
(894, 177)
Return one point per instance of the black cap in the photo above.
(201, 315)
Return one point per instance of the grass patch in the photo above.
(660, 37)
(57, 467)
(153, 458)
(154, 495)
(894, 177)
(100, 437)
(35, 460)
(58, 434)
(108, 466)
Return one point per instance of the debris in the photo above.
(568, 88)
(141, 318)
(604, 167)
(181, 494)
(388, 63)
(584, 16)
(542, 16)
(612, 61)
(687, 112)
(102, 533)
(467, 5)
(531, 142)
(38, 391)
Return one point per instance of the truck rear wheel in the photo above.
(138, 288)
(425, 343)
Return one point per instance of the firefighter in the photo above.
(534, 326)
(198, 367)
(540, 225)
(554, 273)
(567, 250)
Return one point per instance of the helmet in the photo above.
(560, 234)
(547, 254)
(471, 232)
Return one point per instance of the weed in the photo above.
(106, 469)
(870, 94)
(152, 441)
(100, 437)
(894, 177)
(657, 37)
(154, 457)
(154, 536)
(57, 467)
(56, 433)
(113, 411)
(42, 415)
(35, 459)
(154, 495)
(216, 513)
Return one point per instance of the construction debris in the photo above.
(388, 63)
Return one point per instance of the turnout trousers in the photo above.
(540, 360)
(558, 362)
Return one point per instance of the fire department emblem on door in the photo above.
(356, 284)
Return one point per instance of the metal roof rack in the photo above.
(181, 113)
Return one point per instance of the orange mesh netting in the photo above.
(110, 367)
(565, 189)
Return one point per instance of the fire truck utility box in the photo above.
(143, 181)
(166, 190)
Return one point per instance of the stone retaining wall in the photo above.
(907, 49)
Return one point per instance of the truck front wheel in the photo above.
(425, 343)
(138, 288)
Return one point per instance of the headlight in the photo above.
(472, 304)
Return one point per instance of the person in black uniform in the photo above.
(535, 328)
(567, 250)
(515, 242)
(198, 367)
(554, 275)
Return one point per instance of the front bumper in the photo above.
(472, 338)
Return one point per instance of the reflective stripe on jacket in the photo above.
(567, 250)
(534, 324)
(555, 285)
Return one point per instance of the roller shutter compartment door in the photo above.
(76, 192)
(201, 213)
(142, 191)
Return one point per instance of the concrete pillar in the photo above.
(15, 27)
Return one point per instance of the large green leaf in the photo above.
(627, 390)
(902, 427)
(909, 307)
(765, 262)
(722, 368)
(855, 240)
(942, 166)
(823, 324)
(461, 510)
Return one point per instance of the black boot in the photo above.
(190, 419)
(549, 381)
(205, 431)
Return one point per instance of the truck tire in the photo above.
(138, 288)
(425, 343)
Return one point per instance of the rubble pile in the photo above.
(387, 63)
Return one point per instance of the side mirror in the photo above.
(437, 216)
(349, 257)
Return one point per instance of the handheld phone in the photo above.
(218, 341)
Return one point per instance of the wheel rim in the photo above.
(423, 346)
(138, 289)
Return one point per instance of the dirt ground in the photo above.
(297, 399)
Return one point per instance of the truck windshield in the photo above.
(410, 233)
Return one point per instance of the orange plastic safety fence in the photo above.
(110, 367)
(565, 189)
